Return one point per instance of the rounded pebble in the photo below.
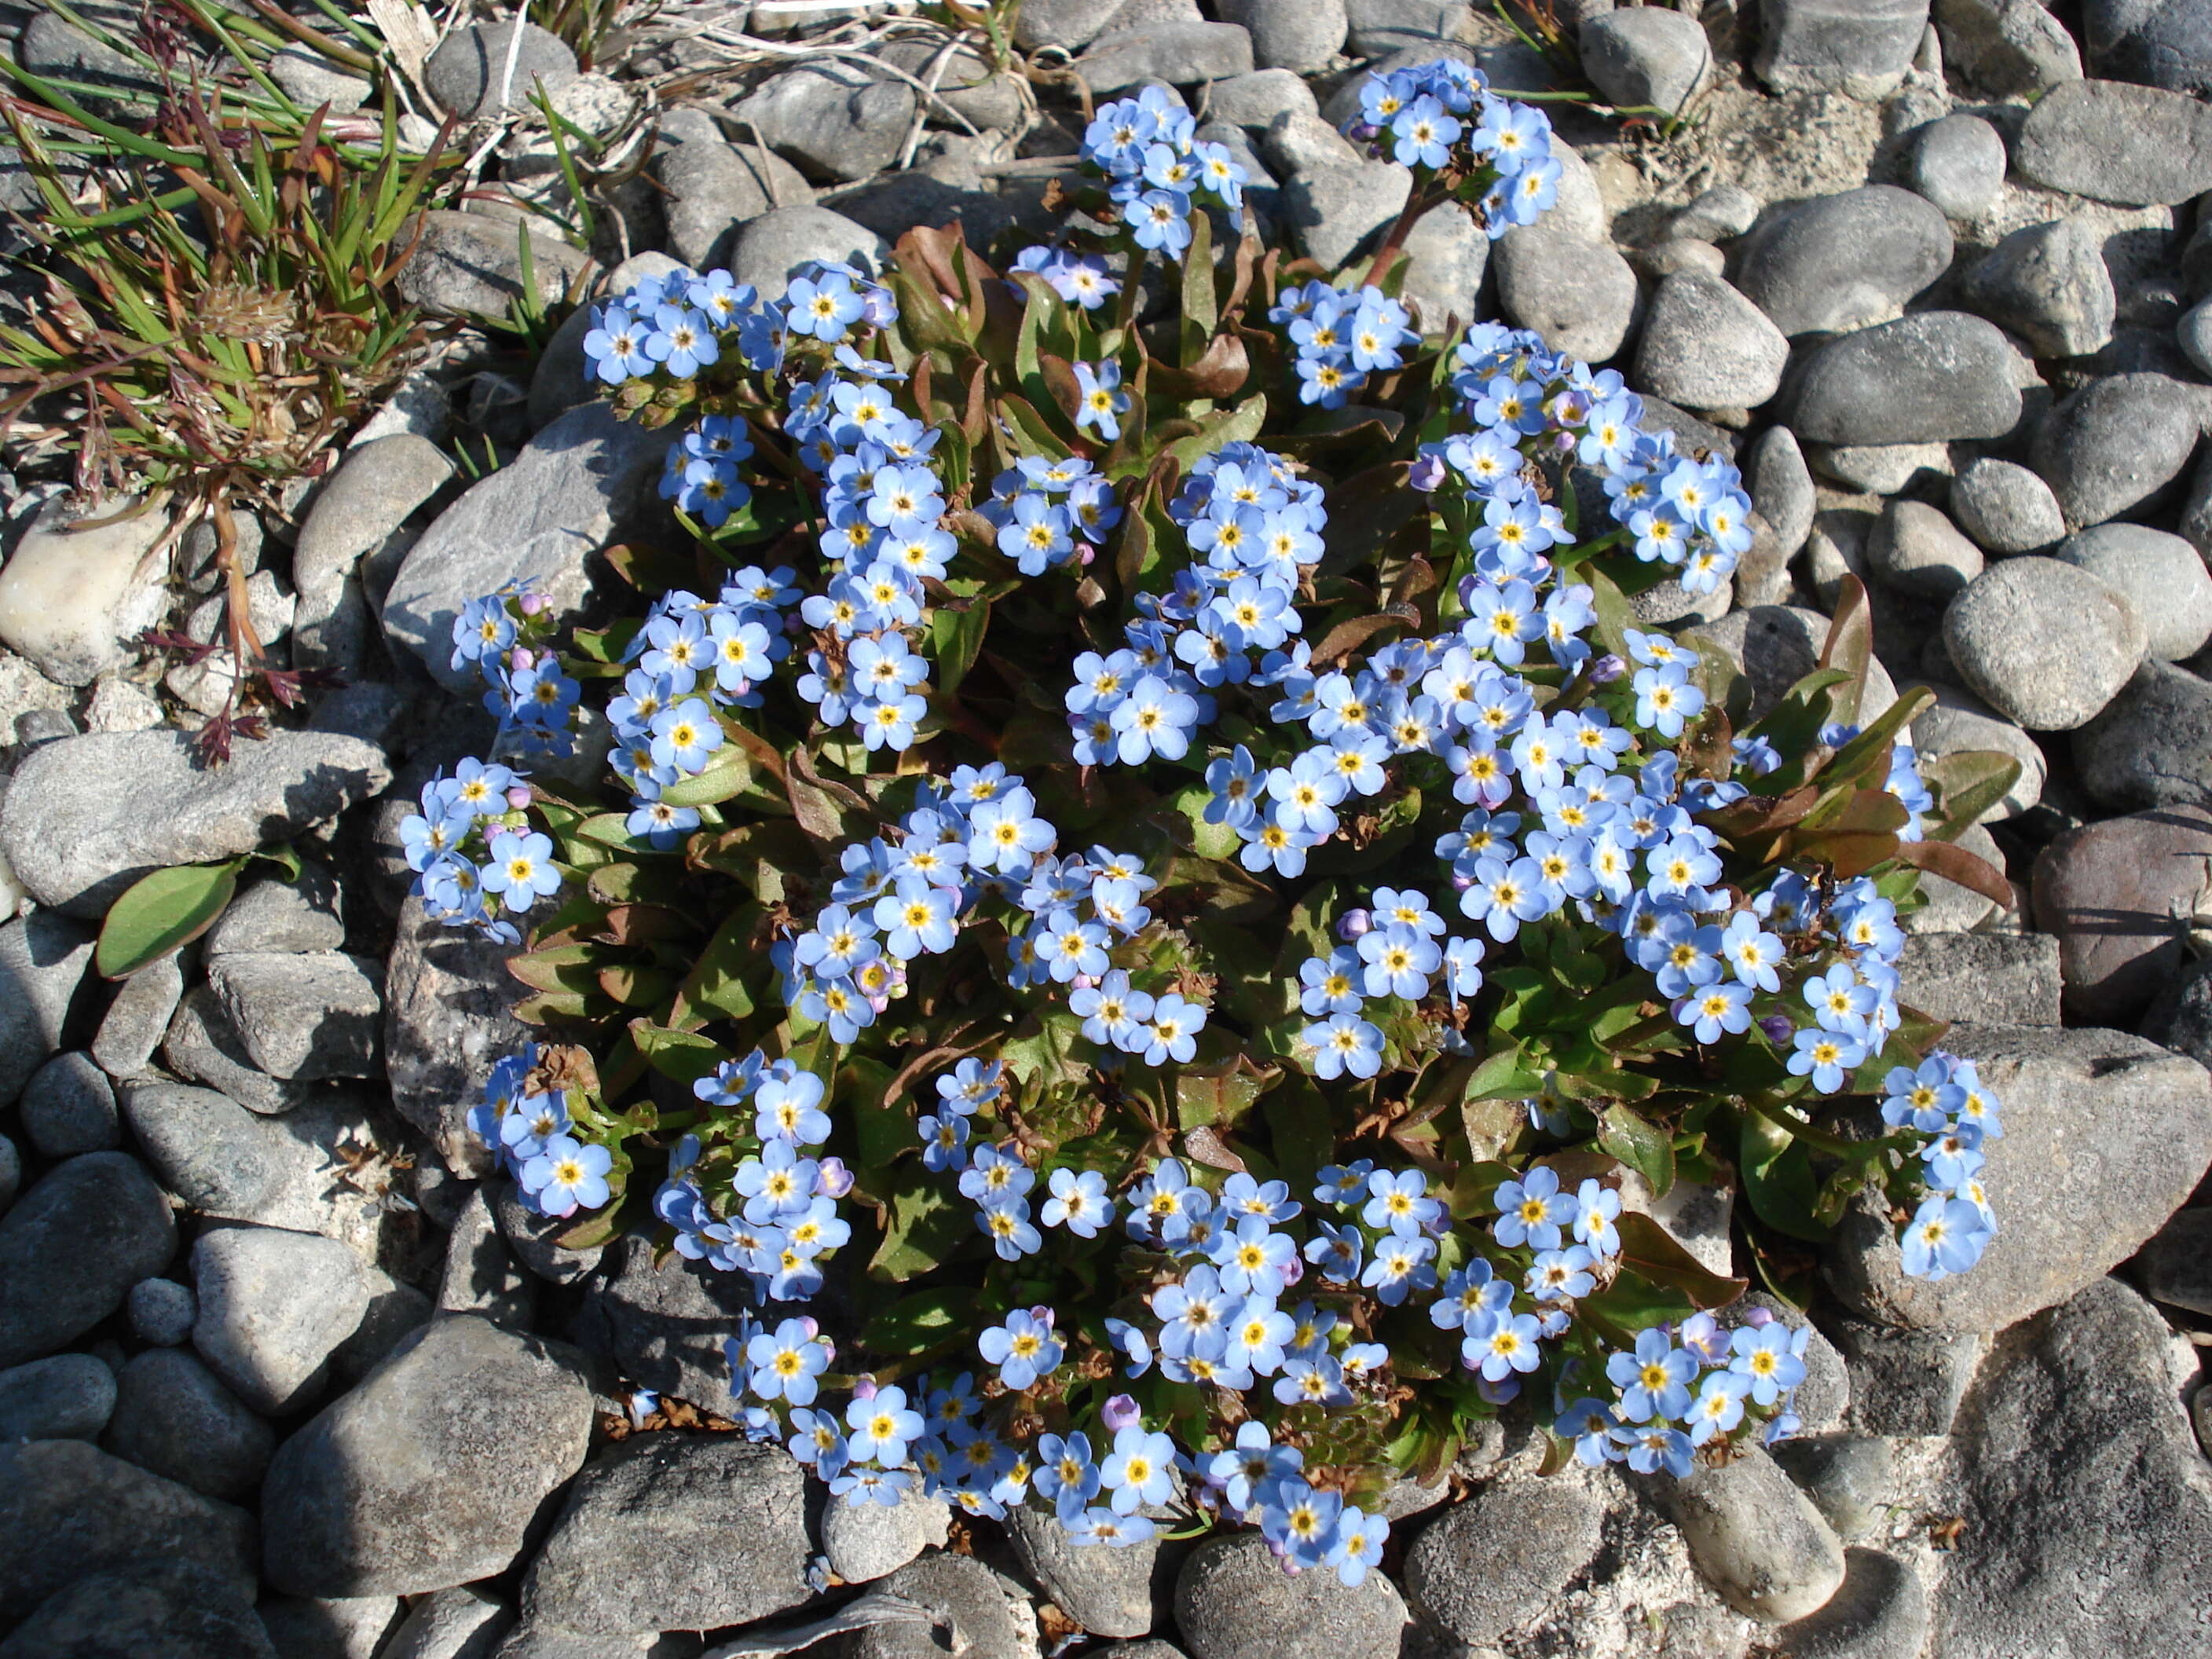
(2044, 644)
(161, 1312)
(69, 1107)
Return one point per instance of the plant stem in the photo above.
(1418, 201)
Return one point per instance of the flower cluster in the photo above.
(524, 1124)
(1051, 511)
(1677, 1389)
(1156, 167)
(476, 858)
(1440, 119)
(1943, 1099)
(509, 636)
(1342, 338)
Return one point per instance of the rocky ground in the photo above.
(281, 1373)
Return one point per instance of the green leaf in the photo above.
(1967, 783)
(926, 1224)
(914, 1324)
(161, 912)
(1201, 309)
(1641, 1145)
(1224, 426)
(1049, 1050)
(718, 981)
(728, 773)
(956, 636)
(1777, 1177)
(681, 1056)
(1656, 1255)
(1505, 1076)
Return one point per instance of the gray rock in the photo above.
(1502, 1557)
(871, 1541)
(11, 1173)
(275, 915)
(348, 1628)
(1446, 253)
(1068, 23)
(136, 1020)
(1109, 1592)
(2157, 43)
(460, 1623)
(1994, 978)
(469, 264)
(1381, 28)
(273, 1306)
(481, 1275)
(469, 73)
(428, 1475)
(215, 1155)
(2047, 284)
(671, 1508)
(534, 1238)
(2174, 1268)
(309, 80)
(1703, 344)
(2089, 1116)
(768, 249)
(967, 86)
(2193, 335)
(1916, 548)
(2162, 575)
(43, 959)
(2007, 46)
(713, 187)
(1664, 259)
(396, 1311)
(175, 1418)
(2115, 444)
(540, 519)
(446, 995)
(1756, 1539)
(1781, 486)
(2152, 746)
(1726, 210)
(975, 1617)
(1906, 1383)
(2088, 1504)
(1881, 1613)
(69, 1107)
(1960, 721)
(1778, 645)
(74, 601)
(2110, 892)
(1849, 1477)
(561, 382)
(1843, 261)
(1233, 1600)
(535, 1640)
(1579, 296)
(831, 117)
(1861, 48)
(303, 1017)
(172, 1609)
(1645, 56)
(2136, 146)
(2180, 1018)
(77, 844)
(72, 1248)
(356, 516)
(1951, 907)
(1252, 101)
(1151, 1650)
(662, 1327)
(67, 1511)
(2000, 631)
(1180, 54)
(2006, 507)
(1302, 35)
(69, 1396)
(161, 1312)
(1931, 377)
(1334, 207)
(1958, 164)
(1881, 469)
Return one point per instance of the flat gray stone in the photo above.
(1930, 377)
(69, 1396)
(468, 74)
(768, 249)
(690, 1504)
(2110, 891)
(69, 1510)
(2136, 146)
(1580, 295)
(481, 1275)
(2163, 575)
(460, 1623)
(663, 1326)
(2174, 1269)
(69, 1107)
(1991, 979)
(2089, 1116)
(871, 1541)
(1180, 54)
(832, 117)
(2006, 507)
(1916, 549)
(139, 1017)
(469, 264)
(1851, 1477)
(350, 1627)
(77, 843)
(715, 187)
(1861, 48)
(1781, 486)
(167, 1608)
(1233, 1600)
(976, 1616)
(175, 1418)
(2152, 746)
(307, 1017)
(1881, 1613)
(1252, 101)
(273, 1306)
(1905, 1384)
(2116, 445)
(161, 1312)
(1289, 35)
(275, 915)
(1703, 344)
(72, 1247)
(1645, 56)
(1107, 1591)
(1843, 261)
(2005, 633)
(2007, 46)
(1501, 1558)
(2154, 43)
(2047, 283)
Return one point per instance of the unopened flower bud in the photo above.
(1779, 1028)
(864, 1387)
(1427, 473)
(1606, 669)
(521, 657)
(1354, 924)
(1082, 982)
(1759, 1318)
(808, 1324)
(534, 605)
(1293, 1271)
(832, 1179)
(1042, 1315)
(517, 798)
(1121, 1412)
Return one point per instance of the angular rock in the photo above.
(481, 1275)
(713, 188)
(2154, 43)
(470, 74)
(1180, 54)
(356, 514)
(1252, 101)
(74, 601)
(43, 959)
(1952, 907)
(306, 1017)
(2047, 284)
(2161, 574)
(447, 996)
(333, 1628)
(2180, 1018)
(2136, 146)
(2006, 507)
(1335, 203)
(1843, 261)
(461, 1623)
(69, 1510)
(273, 1306)
(69, 1107)
(1881, 469)
(2152, 746)
(68, 1397)
(1861, 48)
(1645, 56)
(1781, 488)
(1703, 344)
(767, 249)
(1958, 164)
(1993, 979)
(2115, 444)
(169, 1609)
(867, 1543)
(1233, 1600)
(2175, 1268)
(1881, 1613)
(1067, 23)
(469, 264)
(831, 117)
(663, 1326)
(428, 1475)
(75, 842)
(1916, 548)
(1109, 1592)
(975, 1616)
(1932, 377)
(161, 1312)
(136, 1020)
(175, 1418)
(688, 1504)
(2114, 893)
(297, 917)
(1579, 296)
(1725, 212)
(2007, 46)
(72, 1247)
(1756, 1539)
(1500, 1557)
(2087, 1504)
(2044, 644)
(1906, 1383)
(2108, 1131)
(1446, 253)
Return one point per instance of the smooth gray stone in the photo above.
(1838, 262)
(69, 1396)
(145, 1610)
(1930, 377)
(2003, 633)
(72, 1247)
(175, 1418)
(2136, 146)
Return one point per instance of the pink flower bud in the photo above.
(1759, 1318)
(1121, 1412)
(809, 1325)
(517, 798)
(1427, 473)
(534, 604)
(864, 1387)
(1082, 982)
(1293, 1271)
(520, 658)
(832, 1179)
(1042, 1315)
(1354, 924)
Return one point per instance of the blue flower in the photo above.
(1665, 699)
(1172, 1031)
(1532, 1210)
(1764, 1355)
(1252, 1463)
(1399, 960)
(882, 1427)
(818, 1442)
(1499, 1343)
(1655, 1447)
(1101, 1525)
(616, 349)
(1007, 1227)
(1946, 1235)
(1714, 1009)
(1400, 1202)
(1066, 1474)
(521, 870)
(1159, 218)
(1139, 1470)
(824, 307)
(1425, 133)
(1358, 1546)
(1301, 1522)
(1100, 401)
(1078, 1202)
(790, 1109)
(786, 1363)
(685, 735)
(1332, 983)
(1024, 1349)
(1253, 1258)
(1596, 1208)
(1345, 1043)
(1828, 1057)
(567, 1175)
(1718, 1406)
